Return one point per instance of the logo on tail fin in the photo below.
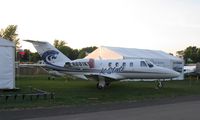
(50, 56)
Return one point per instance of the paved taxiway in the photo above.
(177, 111)
(173, 108)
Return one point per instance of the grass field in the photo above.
(79, 92)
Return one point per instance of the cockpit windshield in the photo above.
(150, 64)
(143, 64)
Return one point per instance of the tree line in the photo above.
(190, 55)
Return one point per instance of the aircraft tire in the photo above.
(160, 84)
(107, 84)
(99, 87)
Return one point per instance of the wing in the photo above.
(111, 77)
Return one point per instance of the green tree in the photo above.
(35, 57)
(180, 53)
(9, 33)
(84, 51)
(66, 50)
(198, 55)
(27, 56)
(72, 53)
(191, 54)
(59, 43)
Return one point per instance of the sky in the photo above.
(167, 25)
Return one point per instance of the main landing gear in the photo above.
(102, 83)
(100, 86)
(158, 84)
(51, 78)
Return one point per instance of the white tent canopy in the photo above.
(7, 64)
(124, 53)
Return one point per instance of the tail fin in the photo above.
(49, 54)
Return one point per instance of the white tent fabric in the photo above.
(7, 64)
(132, 53)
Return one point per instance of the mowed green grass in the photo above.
(70, 92)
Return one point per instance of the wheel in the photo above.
(107, 84)
(99, 86)
(159, 84)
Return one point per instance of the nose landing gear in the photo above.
(158, 84)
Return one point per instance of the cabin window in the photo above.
(80, 64)
(143, 64)
(131, 64)
(123, 64)
(67, 64)
(85, 64)
(109, 64)
(116, 64)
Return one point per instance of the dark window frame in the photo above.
(131, 64)
(143, 64)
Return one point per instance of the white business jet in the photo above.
(104, 71)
